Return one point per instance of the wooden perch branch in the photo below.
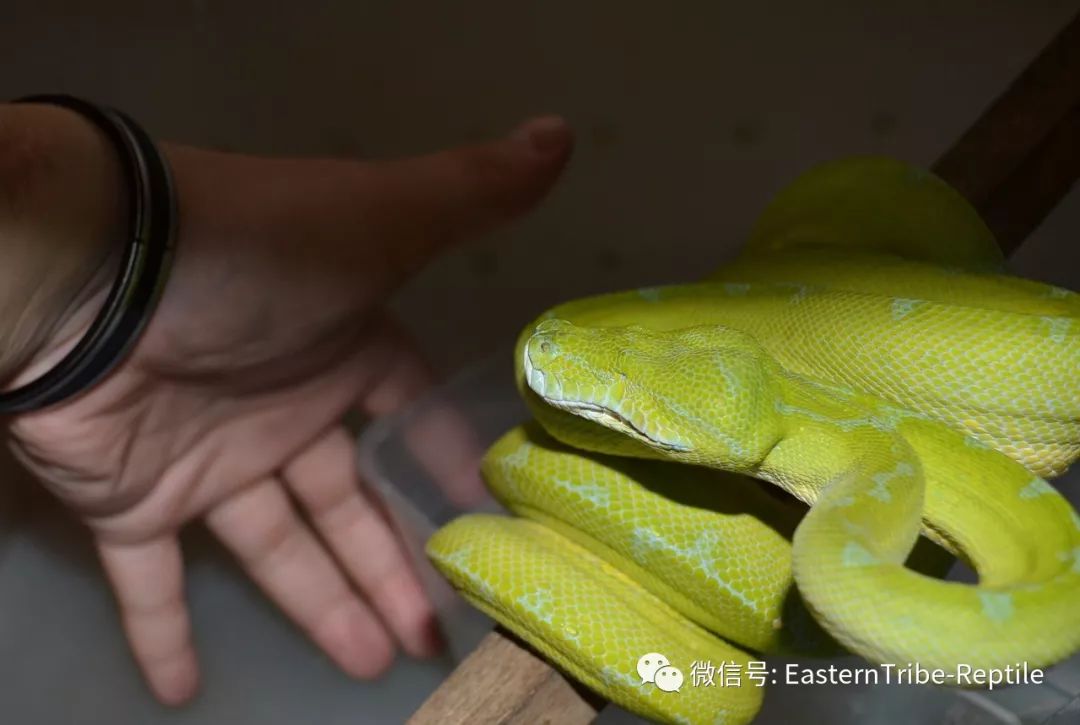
(1020, 158)
(477, 691)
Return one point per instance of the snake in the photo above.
(750, 463)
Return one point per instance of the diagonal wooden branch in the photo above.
(477, 691)
(1020, 157)
(1015, 163)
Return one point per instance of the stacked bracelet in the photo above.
(143, 272)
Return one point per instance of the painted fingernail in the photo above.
(546, 134)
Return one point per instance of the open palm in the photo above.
(272, 328)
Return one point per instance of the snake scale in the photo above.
(867, 354)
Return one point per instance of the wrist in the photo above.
(62, 217)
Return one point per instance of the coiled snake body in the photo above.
(865, 354)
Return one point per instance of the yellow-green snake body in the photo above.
(866, 355)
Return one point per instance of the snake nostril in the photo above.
(545, 347)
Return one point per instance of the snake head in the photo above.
(699, 393)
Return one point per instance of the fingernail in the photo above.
(430, 641)
(176, 682)
(545, 134)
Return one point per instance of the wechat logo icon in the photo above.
(655, 668)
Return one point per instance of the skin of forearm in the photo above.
(62, 227)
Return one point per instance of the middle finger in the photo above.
(261, 527)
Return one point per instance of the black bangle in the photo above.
(143, 272)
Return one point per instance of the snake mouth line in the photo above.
(616, 420)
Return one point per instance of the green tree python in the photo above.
(867, 354)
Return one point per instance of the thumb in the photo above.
(424, 204)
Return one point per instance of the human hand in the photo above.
(271, 329)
